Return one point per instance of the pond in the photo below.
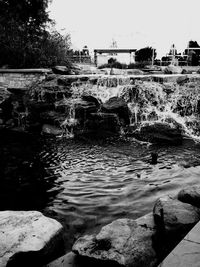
(86, 184)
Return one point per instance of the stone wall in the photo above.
(21, 78)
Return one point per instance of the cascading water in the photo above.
(148, 102)
(70, 121)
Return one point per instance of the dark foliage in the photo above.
(24, 39)
(145, 54)
(193, 55)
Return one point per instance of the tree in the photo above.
(23, 33)
(111, 61)
(145, 54)
(54, 50)
(193, 54)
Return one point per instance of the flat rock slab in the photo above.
(187, 252)
(28, 238)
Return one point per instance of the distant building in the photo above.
(123, 55)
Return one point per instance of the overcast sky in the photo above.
(132, 23)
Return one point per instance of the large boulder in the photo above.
(118, 106)
(158, 132)
(171, 69)
(124, 241)
(174, 216)
(190, 195)
(28, 238)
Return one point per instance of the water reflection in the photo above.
(24, 182)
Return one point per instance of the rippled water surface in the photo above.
(87, 184)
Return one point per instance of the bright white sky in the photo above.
(132, 23)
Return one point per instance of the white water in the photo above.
(147, 102)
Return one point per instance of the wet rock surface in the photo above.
(5, 105)
(172, 215)
(28, 238)
(118, 106)
(142, 242)
(173, 70)
(124, 241)
(63, 70)
(190, 195)
(158, 132)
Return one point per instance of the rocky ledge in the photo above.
(147, 240)
(28, 238)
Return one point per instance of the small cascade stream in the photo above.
(148, 102)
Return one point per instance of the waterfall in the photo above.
(70, 121)
(148, 102)
(88, 101)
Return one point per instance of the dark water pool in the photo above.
(88, 184)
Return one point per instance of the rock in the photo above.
(28, 238)
(93, 80)
(118, 106)
(47, 91)
(123, 241)
(157, 132)
(5, 104)
(4, 94)
(173, 70)
(190, 195)
(84, 110)
(91, 99)
(52, 130)
(51, 77)
(174, 216)
(67, 80)
(182, 79)
(63, 70)
(134, 72)
(79, 107)
(184, 71)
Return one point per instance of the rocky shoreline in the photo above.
(28, 238)
(145, 241)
